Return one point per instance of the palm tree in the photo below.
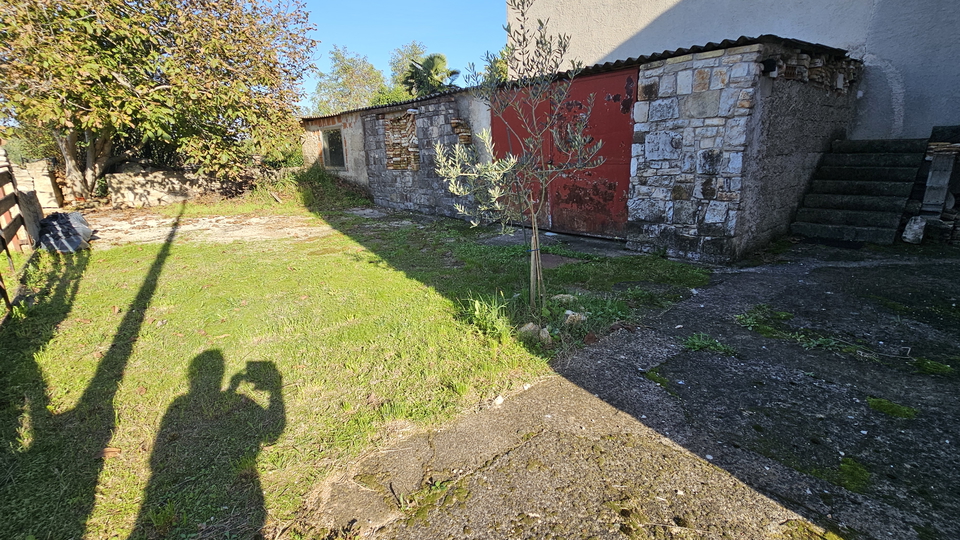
(430, 76)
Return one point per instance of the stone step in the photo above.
(855, 202)
(876, 235)
(858, 218)
(850, 187)
(872, 160)
(875, 174)
(905, 146)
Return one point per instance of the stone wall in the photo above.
(134, 186)
(722, 152)
(400, 164)
(38, 177)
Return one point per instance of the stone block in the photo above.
(709, 54)
(638, 137)
(681, 192)
(654, 65)
(730, 226)
(679, 59)
(684, 82)
(755, 48)
(729, 97)
(661, 180)
(701, 104)
(714, 121)
(711, 131)
(634, 165)
(701, 80)
(735, 135)
(684, 212)
(718, 79)
(716, 212)
(668, 85)
(664, 109)
(705, 187)
(647, 210)
(636, 149)
(640, 111)
(649, 89)
(734, 183)
(708, 161)
(733, 163)
(662, 145)
(708, 142)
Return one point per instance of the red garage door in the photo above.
(593, 202)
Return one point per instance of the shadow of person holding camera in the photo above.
(204, 479)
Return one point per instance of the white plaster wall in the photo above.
(351, 128)
(477, 113)
(910, 49)
(355, 158)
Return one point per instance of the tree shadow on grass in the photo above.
(52, 460)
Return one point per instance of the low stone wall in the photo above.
(135, 186)
(38, 177)
(723, 153)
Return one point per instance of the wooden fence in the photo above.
(11, 223)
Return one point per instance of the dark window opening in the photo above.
(333, 149)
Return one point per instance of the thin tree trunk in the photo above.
(68, 150)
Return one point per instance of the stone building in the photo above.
(389, 150)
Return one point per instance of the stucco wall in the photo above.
(792, 127)
(351, 127)
(910, 49)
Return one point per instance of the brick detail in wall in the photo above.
(403, 150)
(462, 129)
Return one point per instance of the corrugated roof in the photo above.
(391, 105)
(741, 41)
(805, 46)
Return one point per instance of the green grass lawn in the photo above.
(194, 390)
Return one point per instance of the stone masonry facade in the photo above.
(693, 181)
(399, 148)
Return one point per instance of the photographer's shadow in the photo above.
(204, 463)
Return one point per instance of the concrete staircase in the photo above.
(860, 190)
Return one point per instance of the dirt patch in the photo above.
(114, 228)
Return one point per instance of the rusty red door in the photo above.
(593, 202)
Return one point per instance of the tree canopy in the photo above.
(352, 83)
(210, 76)
(429, 76)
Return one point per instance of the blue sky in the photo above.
(462, 30)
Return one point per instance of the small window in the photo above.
(333, 149)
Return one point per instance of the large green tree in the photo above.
(402, 57)
(208, 75)
(352, 83)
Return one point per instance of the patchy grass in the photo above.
(931, 367)
(890, 408)
(186, 388)
(851, 475)
(704, 342)
(763, 320)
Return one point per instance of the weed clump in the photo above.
(850, 475)
(890, 408)
(930, 367)
(703, 342)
